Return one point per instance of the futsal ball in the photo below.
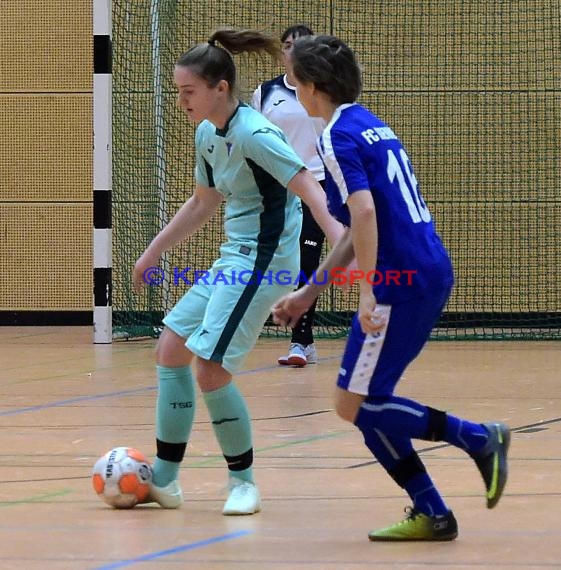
(122, 477)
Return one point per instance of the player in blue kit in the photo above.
(245, 161)
(371, 188)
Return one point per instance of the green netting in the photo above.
(472, 87)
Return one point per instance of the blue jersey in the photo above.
(360, 152)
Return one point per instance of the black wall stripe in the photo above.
(102, 286)
(46, 318)
(102, 209)
(102, 54)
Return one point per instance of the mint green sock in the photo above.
(175, 411)
(232, 427)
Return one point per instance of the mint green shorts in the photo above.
(221, 321)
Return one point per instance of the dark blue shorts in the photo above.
(373, 364)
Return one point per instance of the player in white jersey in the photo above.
(405, 280)
(276, 99)
(245, 161)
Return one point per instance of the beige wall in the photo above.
(45, 155)
(473, 93)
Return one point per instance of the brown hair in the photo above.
(213, 63)
(296, 31)
(328, 63)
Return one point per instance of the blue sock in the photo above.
(425, 497)
(398, 457)
(464, 434)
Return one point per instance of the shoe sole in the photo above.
(502, 475)
(297, 361)
(284, 362)
(403, 539)
(240, 513)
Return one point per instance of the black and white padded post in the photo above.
(102, 183)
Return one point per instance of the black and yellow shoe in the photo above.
(491, 461)
(418, 526)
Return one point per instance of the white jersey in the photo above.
(276, 99)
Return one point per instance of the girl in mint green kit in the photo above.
(245, 161)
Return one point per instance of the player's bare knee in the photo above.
(210, 375)
(171, 350)
(347, 405)
(347, 410)
(344, 412)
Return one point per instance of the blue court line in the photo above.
(183, 548)
(61, 403)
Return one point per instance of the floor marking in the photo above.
(168, 551)
(35, 499)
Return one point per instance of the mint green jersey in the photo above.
(250, 163)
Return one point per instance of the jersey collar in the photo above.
(287, 84)
(337, 113)
(224, 131)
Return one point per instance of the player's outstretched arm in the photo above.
(196, 211)
(288, 310)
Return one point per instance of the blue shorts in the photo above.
(373, 364)
(222, 320)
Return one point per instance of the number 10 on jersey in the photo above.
(408, 188)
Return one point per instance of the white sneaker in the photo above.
(299, 355)
(168, 497)
(311, 354)
(244, 498)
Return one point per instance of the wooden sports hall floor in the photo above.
(65, 401)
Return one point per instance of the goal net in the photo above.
(473, 89)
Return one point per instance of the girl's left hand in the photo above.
(370, 321)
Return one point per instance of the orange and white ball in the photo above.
(122, 477)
